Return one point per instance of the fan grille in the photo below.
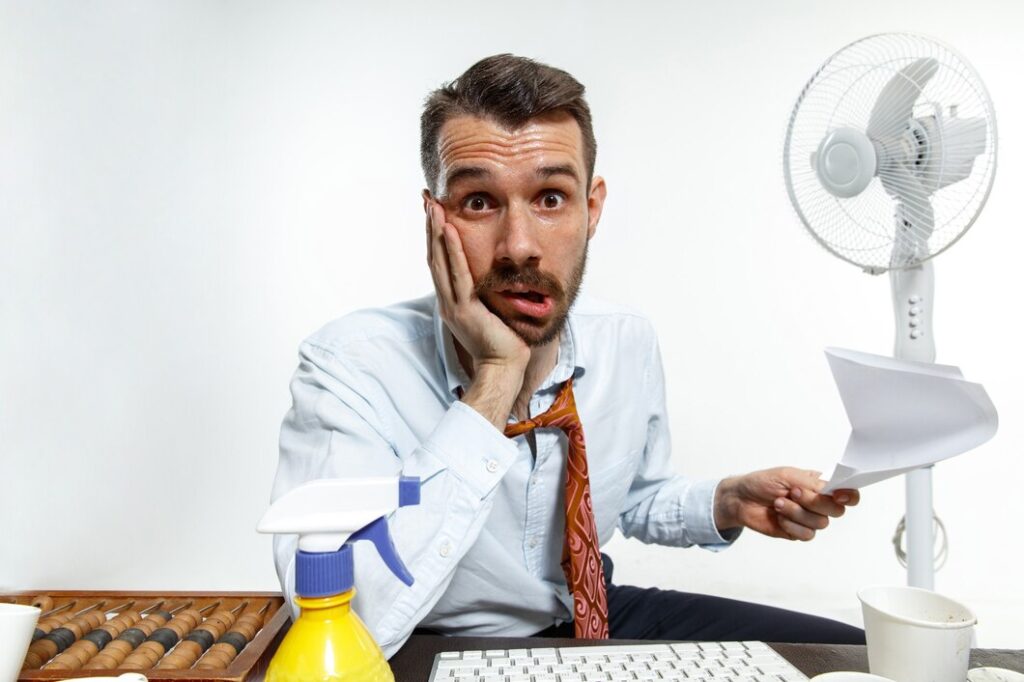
(861, 229)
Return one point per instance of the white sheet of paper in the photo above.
(904, 415)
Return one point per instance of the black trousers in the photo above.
(651, 613)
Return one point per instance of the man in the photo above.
(535, 421)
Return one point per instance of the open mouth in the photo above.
(529, 302)
(534, 296)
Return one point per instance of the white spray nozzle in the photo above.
(325, 512)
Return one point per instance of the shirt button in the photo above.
(446, 548)
(492, 465)
(533, 541)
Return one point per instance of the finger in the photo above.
(789, 477)
(439, 256)
(849, 498)
(446, 256)
(794, 530)
(815, 481)
(462, 280)
(817, 502)
(428, 224)
(788, 509)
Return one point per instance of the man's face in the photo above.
(519, 201)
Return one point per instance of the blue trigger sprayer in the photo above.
(328, 641)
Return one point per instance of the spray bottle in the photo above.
(328, 641)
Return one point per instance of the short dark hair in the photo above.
(511, 91)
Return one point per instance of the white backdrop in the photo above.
(188, 189)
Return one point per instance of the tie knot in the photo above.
(562, 414)
(519, 428)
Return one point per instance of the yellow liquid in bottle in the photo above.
(328, 642)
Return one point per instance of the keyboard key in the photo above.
(676, 662)
(628, 649)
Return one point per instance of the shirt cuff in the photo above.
(699, 517)
(471, 448)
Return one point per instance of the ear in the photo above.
(426, 201)
(595, 204)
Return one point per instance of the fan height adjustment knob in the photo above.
(845, 162)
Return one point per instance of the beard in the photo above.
(533, 331)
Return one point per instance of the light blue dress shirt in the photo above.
(375, 394)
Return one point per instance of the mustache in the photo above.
(508, 276)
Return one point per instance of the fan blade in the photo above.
(915, 220)
(895, 104)
(910, 241)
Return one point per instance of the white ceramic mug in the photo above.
(17, 622)
(916, 635)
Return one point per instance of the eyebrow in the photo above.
(460, 173)
(465, 173)
(566, 169)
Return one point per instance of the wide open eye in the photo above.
(552, 199)
(476, 203)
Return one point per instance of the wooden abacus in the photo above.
(166, 636)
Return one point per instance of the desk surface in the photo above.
(413, 662)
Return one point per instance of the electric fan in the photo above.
(889, 157)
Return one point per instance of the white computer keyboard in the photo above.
(718, 661)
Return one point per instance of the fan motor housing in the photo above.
(845, 162)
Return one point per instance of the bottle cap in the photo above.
(322, 574)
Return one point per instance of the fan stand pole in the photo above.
(913, 293)
(920, 529)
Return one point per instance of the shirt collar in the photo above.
(570, 361)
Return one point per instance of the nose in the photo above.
(518, 242)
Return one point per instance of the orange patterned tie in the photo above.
(581, 555)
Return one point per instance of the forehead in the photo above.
(550, 140)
